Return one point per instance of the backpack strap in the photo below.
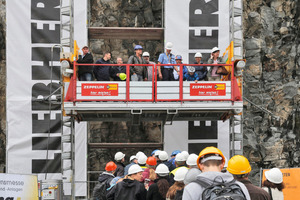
(270, 192)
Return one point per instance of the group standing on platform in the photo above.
(169, 70)
(184, 176)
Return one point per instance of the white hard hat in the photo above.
(119, 156)
(169, 46)
(180, 157)
(157, 152)
(162, 170)
(145, 53)
(132, 158)
(198, 55)
(186, 154)
(215, 49)
(180, 174)
(133, 169)
(138, 154)
(274, 175)
(163, 155)
(191, 69)
(142, 159)
(192, 159)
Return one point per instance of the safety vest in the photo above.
(173, 172)
(143, 167)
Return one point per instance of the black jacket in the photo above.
(178, 195)
(128, 190)
(120, 169)
(107, 177)
(153, 193)
(115, 70)
(88, 58)
(102, 73)
(201, 71)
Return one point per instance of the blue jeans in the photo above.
(86, 77)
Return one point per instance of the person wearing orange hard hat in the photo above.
(211, 161)
(240, 168)
(149, 174)
(104, 179)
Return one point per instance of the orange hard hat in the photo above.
(110, 166)
(151, 161)
(210, 150)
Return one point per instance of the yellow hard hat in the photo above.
(210, 150)
(238, 165)
(122, 76)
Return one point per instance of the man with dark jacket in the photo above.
(85, 72)
(240, 168)
(117, 70)
(102, 73)
(201, 71)
(130, 188)
(120, 159)
(138, 73)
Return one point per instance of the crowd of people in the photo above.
(138, 72)
(184, 176)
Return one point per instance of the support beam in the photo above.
(124, 145)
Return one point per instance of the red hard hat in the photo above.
(110, 166)
(151, 161)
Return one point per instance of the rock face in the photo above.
(271, 42)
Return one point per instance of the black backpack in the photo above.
(100, 190)
(221, 190)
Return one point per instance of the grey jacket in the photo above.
(194, 191)
(211, 61)
(139, 70)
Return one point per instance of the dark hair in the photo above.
(269, 184)
(163, 187)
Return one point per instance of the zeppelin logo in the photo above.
(99, 89)
(207, 89)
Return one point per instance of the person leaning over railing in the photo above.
(214, 59)
(138, 73)
(191, 75)
(102, 73)
(200, 70)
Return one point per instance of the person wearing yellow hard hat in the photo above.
(118, 73)
(211, 161)
(240, 168)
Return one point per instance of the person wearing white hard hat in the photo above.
(146, 57)
(177, 189)
(133, 160)
(165, 73)
(158, 190)
(200, 70)
(214, 59)
(274, 183)
(138, 154)
(142, 161)
(163, 157)
(156, 155)
(120, 159)
(130, 187)
(194, 171)
(180, 162)
(191, 75)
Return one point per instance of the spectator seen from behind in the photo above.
(194, 171)
(138, 73)
(120, 159)
(240, 168)
(158, 190)
(177, 188)
(274, 183)
(102, 73)
(165, 73)
(200, 70)
(85, 73)
(149, 173)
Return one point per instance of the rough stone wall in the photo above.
(2, 87)
(271, 80)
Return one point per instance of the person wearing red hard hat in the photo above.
(104, 180)
(149, 173)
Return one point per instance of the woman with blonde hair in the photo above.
(177, 188)
(149, 174)
(274, 183)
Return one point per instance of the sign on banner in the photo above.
(18, 187)
(291, 180)
(99, 89)
(207, 89)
